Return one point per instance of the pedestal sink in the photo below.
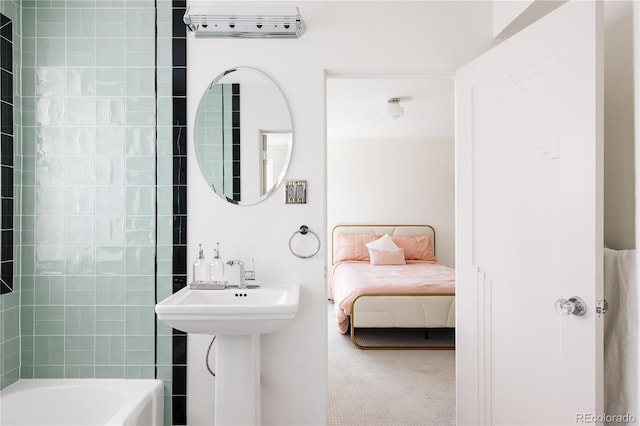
(237, 317)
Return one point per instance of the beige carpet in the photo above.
(388, 387)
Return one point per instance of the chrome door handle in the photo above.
(572, 306)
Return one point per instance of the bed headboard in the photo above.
(393, 230)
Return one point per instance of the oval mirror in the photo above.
(243, 136)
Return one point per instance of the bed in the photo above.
(371, 290)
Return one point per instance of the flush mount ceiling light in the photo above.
(393, 110)
(274, 23)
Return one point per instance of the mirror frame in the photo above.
(285, 165)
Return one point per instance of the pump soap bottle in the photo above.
(217, 267)
(201, 269)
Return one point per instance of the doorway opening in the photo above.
(390, 172)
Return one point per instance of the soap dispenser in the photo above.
(217, 266)
(201, 269)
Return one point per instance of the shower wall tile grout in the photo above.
(86, 246)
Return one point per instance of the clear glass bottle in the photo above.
(217, 266)
(201, 269)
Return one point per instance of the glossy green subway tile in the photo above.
(139, 321)
(165, 229)
(49, 260)
(139, 343)
(10, 323)
(48, 350)
(81, 52)
(49, 51)
(74, 360)
(50, 201)
(109, 371)
(139, 357)
(112, 53)
(110, 141)
(81, 22)
(49, 327)
(111, 81)
(140, 297)
(79, 343)
(110, 350)
(79, 260)
(10, 352)
(79, 141)
(49, 232)
(110, 267)
(80, 201)
(48, 371)
(110, 112)
(79, 230)
(110, 290)
(81, 111)
(140, 171)
(109, 201)
(79, 297)
(110, 313)
(72, 371)
(109, 327)
(140, 201)
(110, 171)
(50, 172)
(81, 4)
(86, 371)
(81, 82)
(140, 141)
(28, 23)
(140, 51)
(139, 260)
(27, 321)
(110, 230)
(137, 22)
(79, 320)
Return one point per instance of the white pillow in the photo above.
(383, 243)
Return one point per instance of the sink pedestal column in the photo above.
(237, 382)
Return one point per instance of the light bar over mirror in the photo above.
(247, 23)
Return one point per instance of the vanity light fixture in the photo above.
(270, 24)
(393, 110)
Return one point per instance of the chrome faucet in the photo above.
(240, 263)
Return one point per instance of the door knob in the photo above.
(572, 306)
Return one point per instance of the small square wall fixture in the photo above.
(239, 23)
(295, 192)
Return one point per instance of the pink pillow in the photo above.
(353, 246)
(416, 247)
(387, 257)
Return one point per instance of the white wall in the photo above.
(619, 166)
(369, 36)
(393, 181)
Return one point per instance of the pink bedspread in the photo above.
(349, 279)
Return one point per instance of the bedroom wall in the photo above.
(395, 181)
(340, 36)
(619, 167)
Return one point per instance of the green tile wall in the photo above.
(10, 302)
(95, 226)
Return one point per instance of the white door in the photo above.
(529, 225)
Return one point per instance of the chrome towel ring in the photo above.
(304, 230)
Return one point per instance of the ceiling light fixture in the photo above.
(393, 110)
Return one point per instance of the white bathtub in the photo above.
(78, 402)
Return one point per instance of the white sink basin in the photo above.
(230, 311)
